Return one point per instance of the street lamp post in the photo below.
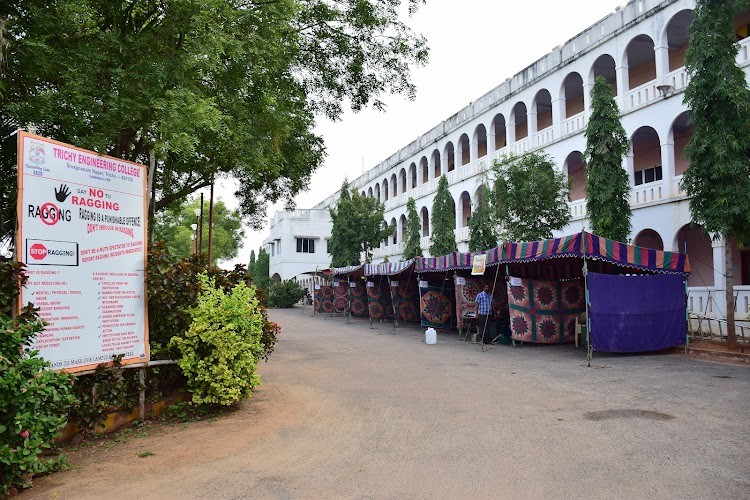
(199, 220)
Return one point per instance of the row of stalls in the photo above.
(630, 299)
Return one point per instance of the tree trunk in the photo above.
(731, 334)
(211, 223)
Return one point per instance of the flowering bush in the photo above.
(33, 399)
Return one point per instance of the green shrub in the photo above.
(33, 404)
(173, 289)
(219, 352)
(285, 294)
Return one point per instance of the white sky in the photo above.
(474, 46)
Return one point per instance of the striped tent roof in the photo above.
(388, 268)
(600, 248)
(349, 271)
(458, 260)
(577, 245)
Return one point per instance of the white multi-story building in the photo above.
(640, 49)
(298, 244)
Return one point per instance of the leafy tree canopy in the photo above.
(607, 183)
(225, 87)
(718, 178)
(412, 245)
(443, 221)
(482, 234)
(357, 227)
(174, 227)
(529, 198)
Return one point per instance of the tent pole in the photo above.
(586, 298)
(349, 296)
(393, 306)
(512, 340)
(487, 319)
(687, 320)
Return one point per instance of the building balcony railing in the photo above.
(544, 136)
(641, 95)
(678, 79)
(521, 146)
(676, 189)
(424, 242)
(574, 124)
(578, 208)
(647, 193)
(462, 234)
(498, 155)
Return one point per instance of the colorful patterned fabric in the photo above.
(544, 312)
(457, 260)
(323, 299)
(341, 296)
(406, 300)
(349, 271)
(622, 254)
(379, 303)
(388, 268)
(358, 298)
(466, 293)
(437, 307)
(566, 246)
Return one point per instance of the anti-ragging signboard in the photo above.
(82, 235)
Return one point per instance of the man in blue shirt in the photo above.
(484, 315)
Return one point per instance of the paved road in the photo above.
(346, 411)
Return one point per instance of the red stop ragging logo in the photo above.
(38, 251)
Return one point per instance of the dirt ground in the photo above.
(350, 411)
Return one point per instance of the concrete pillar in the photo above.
(473, 149)
(661, 55)
(623, 84)
(558, 117)
(510, 129)
(718, 296)
(457, 156)
(667, 166)
(629, 165)
(531, 125)
(587, 100)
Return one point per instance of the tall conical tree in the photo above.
(482, 233)
(443, 221)
(251, 264)
(412, 247)
(718, 177)
(607, 183)
(262, 277)
(343, 242)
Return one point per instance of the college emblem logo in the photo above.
(36, 152)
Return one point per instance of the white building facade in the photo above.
(298, 245)
(640, 50)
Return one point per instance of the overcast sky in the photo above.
(474, 46)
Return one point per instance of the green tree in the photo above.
(607, 183)
(482, 224)
(357, 227)
(262, 276)
(218, 87)
(718, 177)
(174, 227)
(529, 198)
(412, 246)
(251, 264)
(443, 221)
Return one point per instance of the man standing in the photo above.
(484, 315)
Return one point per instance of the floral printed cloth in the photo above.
(544, 312)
